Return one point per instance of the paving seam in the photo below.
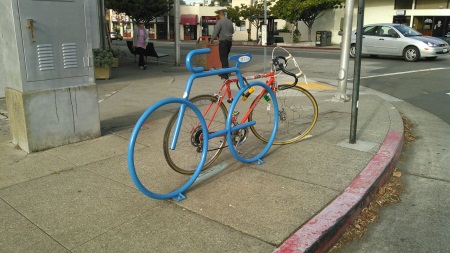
(323, 230)
(184, 208)
(426, 177)
(34, 224)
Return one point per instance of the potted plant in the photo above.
(103, 61)
(117, 53)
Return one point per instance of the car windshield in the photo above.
(407, 31)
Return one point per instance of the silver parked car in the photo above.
(398, 40)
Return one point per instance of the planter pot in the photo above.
(115, 63)
(102, 73)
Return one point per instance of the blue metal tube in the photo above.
(176, 131)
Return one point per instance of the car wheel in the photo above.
(353, 50)
(411, 54)
(431, 58)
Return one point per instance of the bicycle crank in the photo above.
(239, 137)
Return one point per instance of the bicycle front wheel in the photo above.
(190, 141)
(297, 114)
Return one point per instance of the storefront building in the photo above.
(430, 17)
(119, 22)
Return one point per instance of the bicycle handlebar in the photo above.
(282, 65)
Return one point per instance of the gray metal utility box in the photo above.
(46, 55)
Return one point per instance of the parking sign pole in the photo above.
(345, 52)
(177, 32)
(357, 72)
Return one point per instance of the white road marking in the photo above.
(401, 73)
(448, 93)
(107, 96)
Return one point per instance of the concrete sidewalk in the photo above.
(80, 198)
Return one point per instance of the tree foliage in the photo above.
(140, 9)
(307, 11)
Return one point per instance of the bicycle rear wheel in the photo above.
(298, 112)
(148, 170)
(190, 141)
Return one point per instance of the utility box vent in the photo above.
(45, 57)
(70, 55)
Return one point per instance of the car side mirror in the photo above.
(395, 36)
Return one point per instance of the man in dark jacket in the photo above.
(224, 29)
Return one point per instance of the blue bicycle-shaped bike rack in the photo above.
(198, 72)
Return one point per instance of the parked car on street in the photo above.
(115, 36)
(398, 40)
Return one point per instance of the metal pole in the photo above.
(265, 22)
(102, 25)
(177, 32)
(345, 52)
(357, 72)
(168, 25)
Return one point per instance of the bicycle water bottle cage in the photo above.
(241, 59)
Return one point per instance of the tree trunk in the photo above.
(309, 34)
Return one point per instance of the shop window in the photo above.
(403, 4)
(432, 4)
(439, 27)
(424, 25)
(404, 20)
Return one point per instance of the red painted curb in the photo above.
(324, 229)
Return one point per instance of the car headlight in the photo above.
(430, 44)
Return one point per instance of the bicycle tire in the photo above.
(188, 143)
(176, 193)
(230, 128)
(298, 113)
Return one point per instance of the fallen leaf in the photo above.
(397, 174)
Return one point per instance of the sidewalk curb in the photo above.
(324, 229)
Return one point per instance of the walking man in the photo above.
(140, 40)
(224, 29)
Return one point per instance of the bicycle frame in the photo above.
(199, 72)
(225, 90)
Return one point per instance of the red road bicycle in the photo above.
(297, 109)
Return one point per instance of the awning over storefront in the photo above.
(209, 19)
(188, 19)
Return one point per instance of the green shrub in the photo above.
(103, 58)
